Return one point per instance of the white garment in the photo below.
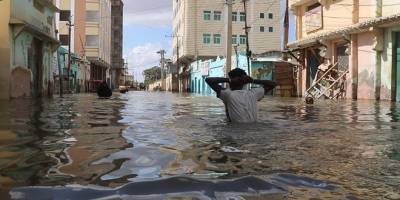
(242, 104)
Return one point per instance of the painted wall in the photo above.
(260, 69)
(366, 66)
(388, 64)
(5, 48)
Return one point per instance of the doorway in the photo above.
(35, 63)
(396, 65)
(342, 57)
(313, 61)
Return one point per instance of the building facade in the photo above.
(93, 38)
(117, 61)
(360, 36)
(199, 29)
(27, 45)
(261, 68)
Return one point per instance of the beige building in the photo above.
(362, 37)
(96, 38)
(199, 28)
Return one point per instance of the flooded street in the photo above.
(169, 146)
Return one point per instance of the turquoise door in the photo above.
(397, 66)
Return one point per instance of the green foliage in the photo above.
(151, 75)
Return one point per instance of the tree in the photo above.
(151, 75)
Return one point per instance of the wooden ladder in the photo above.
(330, 85)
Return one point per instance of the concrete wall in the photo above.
(366, 66)
(5, 48)
(172, 84)
(155, 86)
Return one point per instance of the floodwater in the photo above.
(168, 146)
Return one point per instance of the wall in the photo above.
(80, 26)
(155, 86)
(5, 48)
(366, 66)
(387, 72)
(216, 69)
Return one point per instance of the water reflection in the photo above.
(352, 144)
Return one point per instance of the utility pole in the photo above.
(246, 29)
(59, 70)
(70, 25)
(228, 64)
(162, 62)
(286, 34)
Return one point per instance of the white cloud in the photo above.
(143, 57)
(148, 13)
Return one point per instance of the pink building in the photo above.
(360, 36)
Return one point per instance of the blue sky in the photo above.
(146, 25)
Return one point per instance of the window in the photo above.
(64, 40)
(271, 29)
(261, 15)
(217, 15)
(262, 29)
(92, 16)
(92, 40)
(242, 16)
(242, 39)
(206, 38)
(207, 15)
(64, 15)
(270, 15)
(217, 38)
(234, 16)
(234, 39)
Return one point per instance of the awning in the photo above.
(352, 29)
(22, 26)
(96, 61)
(49, 4)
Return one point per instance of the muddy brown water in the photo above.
(168, 146)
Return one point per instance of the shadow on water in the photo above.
(159, 146)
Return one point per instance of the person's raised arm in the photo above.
(268, 85)
(214, 82)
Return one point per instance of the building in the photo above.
(27, 45)
(362, 37)
(117, 61)
(171, 77)
(92, 24)
(266, 66)
(69, 14)
(199, 30)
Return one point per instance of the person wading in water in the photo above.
(103, 91)
(240, 104)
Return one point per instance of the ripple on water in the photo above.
(342, 150)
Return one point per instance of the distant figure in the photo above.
(103, 91)
(240, 104)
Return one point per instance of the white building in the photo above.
(199, 29)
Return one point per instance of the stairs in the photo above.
(330, 85)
